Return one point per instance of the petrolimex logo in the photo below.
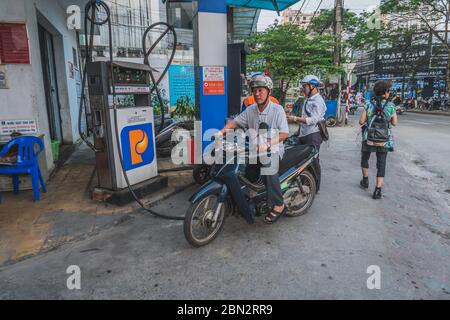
(137, 146)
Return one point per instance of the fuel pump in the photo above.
(135, 122)
(123, 121)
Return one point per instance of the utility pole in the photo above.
(338, 50)
(338, 32)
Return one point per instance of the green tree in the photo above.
(433, 15)
(325, 21)
(289, 53)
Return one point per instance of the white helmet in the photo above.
(311, 80)
(261, 81)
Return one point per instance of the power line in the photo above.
(314, 15)
(300, 10)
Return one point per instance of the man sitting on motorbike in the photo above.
(266, 111)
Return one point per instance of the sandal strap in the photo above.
(272, 215)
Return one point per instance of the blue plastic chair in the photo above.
(27, 163)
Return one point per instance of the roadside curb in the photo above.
(447, 114)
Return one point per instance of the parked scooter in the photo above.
(163, 139)
(353, 109)
(435, 103)
(238, 189)
(400, 109)
(422, 103)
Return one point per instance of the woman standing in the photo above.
(377, 119)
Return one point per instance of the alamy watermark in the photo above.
(74, 280)
(374, 280)
(235, 147)
(74, 17)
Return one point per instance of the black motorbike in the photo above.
(238, 189)
(163, 139)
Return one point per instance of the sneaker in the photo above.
(364, 183)
(377, 194)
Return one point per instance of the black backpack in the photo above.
(378, 128)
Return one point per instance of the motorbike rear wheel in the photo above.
(300, 198)
(200, 227)
(331, 121)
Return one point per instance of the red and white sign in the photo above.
(14, 48)
(213, 80)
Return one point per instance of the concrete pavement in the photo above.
(324, 254)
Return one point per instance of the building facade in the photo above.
(43, 87)
(418, 65)
(301, 19)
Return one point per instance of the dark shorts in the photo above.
(313, 139)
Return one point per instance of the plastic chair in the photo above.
(27, 163)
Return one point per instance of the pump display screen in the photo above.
(123, 76)
(122, 101)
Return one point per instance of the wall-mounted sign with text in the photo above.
(213, 80)
(7, 127)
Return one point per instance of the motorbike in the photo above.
(400, 109)
(163, 139)
(237, 189)
(353, 108)
(202, 172)
(445, 103)
(434, 104)
(422, 103)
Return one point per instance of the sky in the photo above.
(268, 17)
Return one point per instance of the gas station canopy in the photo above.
(277, 5)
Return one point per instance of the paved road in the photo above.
(427, 137)
(324, 254)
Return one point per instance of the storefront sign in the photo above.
(213, 80)
(7, 127)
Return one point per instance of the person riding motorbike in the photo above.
(250, 100)
(266, 111)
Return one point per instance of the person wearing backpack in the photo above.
(377, 120)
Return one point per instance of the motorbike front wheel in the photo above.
(204, 220)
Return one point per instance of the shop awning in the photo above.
(276, 5)
(244, 23)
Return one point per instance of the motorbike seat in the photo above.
(294, 155)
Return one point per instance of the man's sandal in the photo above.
(273, 216)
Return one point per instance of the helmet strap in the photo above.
(310, 90)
